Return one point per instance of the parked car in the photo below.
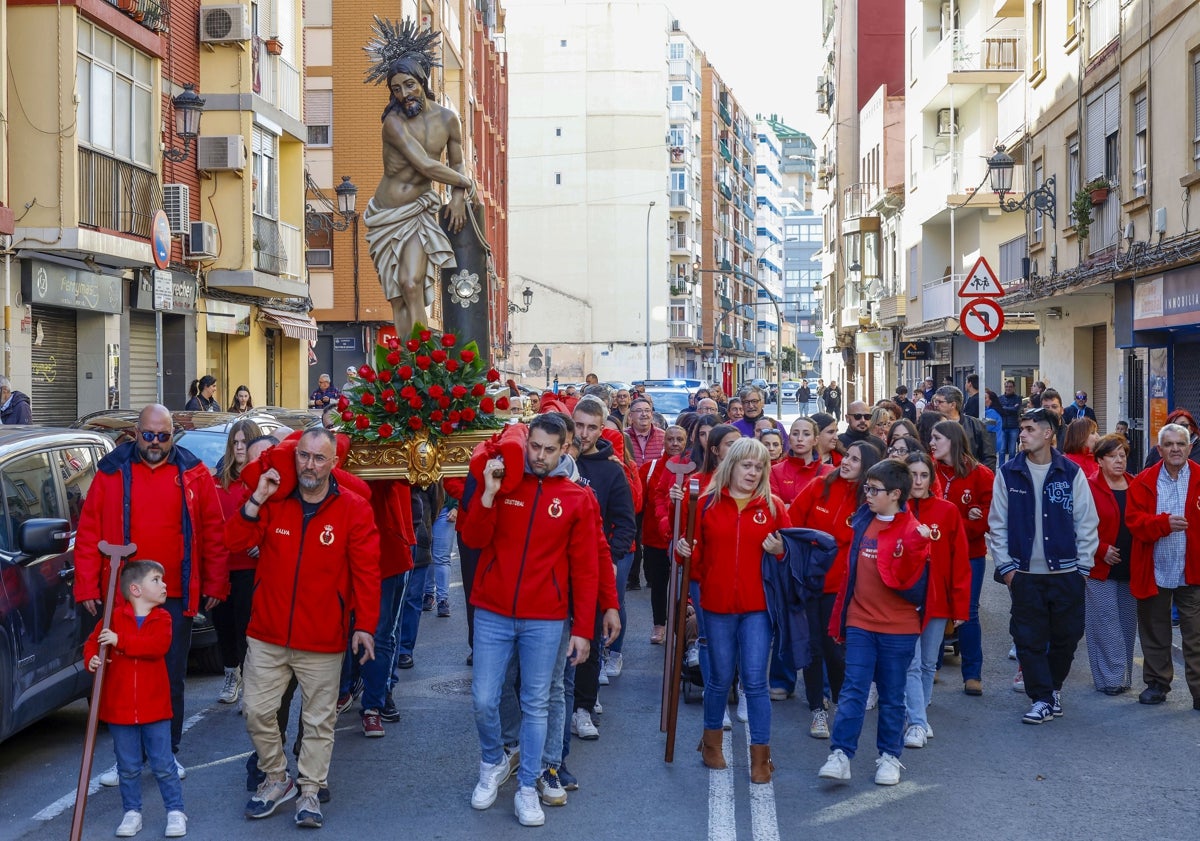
(668, 401)
(205, 435)
(45, 474)
(769, 389)
(790, 389)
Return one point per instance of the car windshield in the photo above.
(668, 402)
(206, 445)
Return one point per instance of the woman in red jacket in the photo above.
(1110, 610)
(738, 521)
(828, 447)
(801, 464)
(948, 598)
(967, 484)
(828, 505)
(231, 616)
(656, 481)
(1081, 436)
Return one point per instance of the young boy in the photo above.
(876, 614)
(136, 699)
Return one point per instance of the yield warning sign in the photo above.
(981, 319)
(981, 282)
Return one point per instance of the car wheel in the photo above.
(207, 660)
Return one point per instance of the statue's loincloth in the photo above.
(389, 229)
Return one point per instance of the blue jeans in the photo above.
(556, 717)
(623, 567)
(536, 643)
(919, 688)
(883, 658)
(375, 673)
(739, 641)
(970, 634)
(130, 741)
(1006, 443)
(438, 584)
(410, 610)
(701, 628)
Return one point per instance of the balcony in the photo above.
(116, 195)
(684, 332)
(857, 200)
(747, 346)
(725, 190)
(1010, 113)
(966, 59)
(151, 14)
(680, 112)
(724, 150)
(723, 110)
(270, 254)
(679, 68)
(939, 299)
(892, 310)
(727, 342)
(682, 245)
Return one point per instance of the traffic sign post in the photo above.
(981, 282)
(981, 318)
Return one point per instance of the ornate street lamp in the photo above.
(1000, 175)
(189, 107)
(527, 296)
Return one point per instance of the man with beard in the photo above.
(858, 426)
(406, 243)
(161, 497)
(753, 400)
(299, 623)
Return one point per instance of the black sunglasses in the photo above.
(161, 437)
(1043, 416)
(857, 416)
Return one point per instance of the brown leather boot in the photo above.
(710, 749)
(761, 765)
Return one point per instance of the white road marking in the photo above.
(722, 825)
(876, 797)
(764, 824)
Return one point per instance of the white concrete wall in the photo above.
(1066, 357)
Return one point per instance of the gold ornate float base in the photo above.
(417, 459)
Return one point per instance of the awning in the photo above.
(294, 325)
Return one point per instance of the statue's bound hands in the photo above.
(456, 210)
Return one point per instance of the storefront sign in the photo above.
(873, 341)
(1171, 300)
(348, 343)
(65, 286)
(225, 317)
(165, 291)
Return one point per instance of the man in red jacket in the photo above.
(162, 498)
(318, 563)
(537, 568)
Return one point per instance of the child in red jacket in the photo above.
(135, 701)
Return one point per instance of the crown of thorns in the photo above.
(396, 40)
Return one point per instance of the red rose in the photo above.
(408, 392)
(436, 415)
(370, 377)
(416, 403)
(447, 428)
(455, 416)
(451, 365)
(385, 376)
(468, 356)
(347, 416)
(487, 406)
(368, 399)
(390, 406)
(388, 394)
(459, 392)
(478, 390)
(362, 422)
(364, 370)
(415, 423)
(385, 430)
(438, 356)
(468, 414)
(444, 402)
(436, 391)
(501, 402)
(393, 343)
(448, 339)
(393, 358)
(426, 335)
(423, 363)
(493, 376)
(404, 372)
(343, 403)
(412, 344)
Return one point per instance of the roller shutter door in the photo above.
(55, 368)
(1098, 399)
(143, 369)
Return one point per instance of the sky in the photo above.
(768, 51)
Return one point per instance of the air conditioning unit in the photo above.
(202, 241)
(946, 124)
(220, 153)
(177, 205)
(319, 258)
(224, 24)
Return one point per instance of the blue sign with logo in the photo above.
(160, 239)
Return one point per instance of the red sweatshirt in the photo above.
(811, 509)
(136, 690)
(727, 555)
(949, 595)
(971, 491)
(791, 475)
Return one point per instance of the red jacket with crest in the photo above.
(811, 509)
(136, 689)
(727, 554)
(949, 595)
(971, 491)
(1147, 526)
(793, 474)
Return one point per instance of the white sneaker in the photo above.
(726, 721)
(180, 770)
(836, 767)
(131, 824)
(527, 808)
(928, 731)
(112, 777)
(819, 729)
(1012, 653)
(914, 736)
(603, 675)
(872, 697)
(232, 688)
(777, 693)
(176, 825)
(1019, 680)
(615, 663)
(597, 708)
(887, 770)
(743, 714)
(582, 726)
(491, 777)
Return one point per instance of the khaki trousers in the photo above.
(265, 675)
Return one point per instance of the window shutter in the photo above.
(1112, 110)
(1093, 164)
(1196, 97)
(1139, 113)
(318, 108)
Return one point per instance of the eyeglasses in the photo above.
(857, 416)
(871, 490)
(897, 451)
(160, 437)
(315, 458)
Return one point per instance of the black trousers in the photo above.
(1046, 625)
(587, 673)
(639, 555)
(231, 617)
(177, 660)
(827, 656)
(658, 575)
(468, 559)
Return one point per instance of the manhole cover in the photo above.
(462, 686)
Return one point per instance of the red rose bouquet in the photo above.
(430, 384)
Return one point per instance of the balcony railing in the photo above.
(292, 239)
(939, 298)
(725, 153)
(278, 82)
(270, 255)
(724, 112)
(116, 195)
(1010, 112)
(683, 330)
(857, 200)
(149, 13)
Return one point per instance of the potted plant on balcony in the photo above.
(1098, 189)
(274, 45)
(1081, 212)
(127, 5)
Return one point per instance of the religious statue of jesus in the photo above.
(406, 243)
